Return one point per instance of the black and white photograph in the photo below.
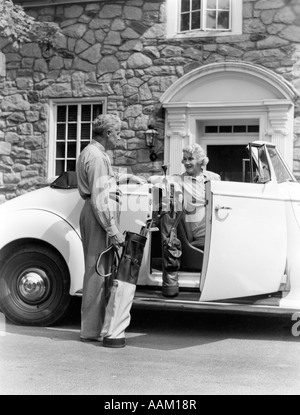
(150, 200)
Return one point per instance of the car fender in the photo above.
(45, 226)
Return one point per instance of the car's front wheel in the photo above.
(34, 286)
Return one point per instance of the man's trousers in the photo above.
(94, 240)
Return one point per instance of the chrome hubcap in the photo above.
(33, 285)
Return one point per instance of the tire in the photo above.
(34, 286)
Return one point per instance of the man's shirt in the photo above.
(96, 179)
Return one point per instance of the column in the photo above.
(176, 134)
(281, 129)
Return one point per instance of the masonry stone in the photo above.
(5, 148)
(108, 64)
(118, 50)
(111, 11)
(15, 103)
(291, 33)
(73, 12)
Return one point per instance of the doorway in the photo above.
(229, 161)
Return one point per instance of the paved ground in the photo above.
(167, 353)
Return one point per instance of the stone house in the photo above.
(218, 72)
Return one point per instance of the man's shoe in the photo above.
(114, 343)
(91, 339)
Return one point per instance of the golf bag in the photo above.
(171, 253)
(170, 216)
(125, 273)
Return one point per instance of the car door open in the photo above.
(246, 242)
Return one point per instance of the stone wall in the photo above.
(117, 49)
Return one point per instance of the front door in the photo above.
(246, 241)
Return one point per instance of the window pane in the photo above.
(61, 132)
(73, 111)
(60, 150)
(62, 113)
(211, 129)
(212, 4)
(72, 131)
(185, 5)
(71, 150)
(224, 4)
(71, 165)
(196, 5)
(253, 128)
(281, 171)
(196, 20)
(85, 132)
(223, 20)
(265, 173)
(59, 167)
(185, 22)
(211, 20)
(240, 129)
(97, 110)
(86, 113)
(225, 129)
(83, 145)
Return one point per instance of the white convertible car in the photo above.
(251, 260)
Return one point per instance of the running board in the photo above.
(213, 307)
(190, 301)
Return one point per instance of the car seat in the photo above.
(192, 251)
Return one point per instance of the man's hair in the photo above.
(197, 151)
(105, 122)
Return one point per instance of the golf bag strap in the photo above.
(101, 256)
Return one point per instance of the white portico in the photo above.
(230, 95)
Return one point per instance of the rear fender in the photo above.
(52, 229)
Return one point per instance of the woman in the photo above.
(194, 180)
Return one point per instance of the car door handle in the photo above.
(218, 207)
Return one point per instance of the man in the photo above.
(98, 222)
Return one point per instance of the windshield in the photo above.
(282, 172)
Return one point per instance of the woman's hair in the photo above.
(105, 122)
(199, 154)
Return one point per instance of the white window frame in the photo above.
(210, 139)
(53, 127)
(173, 8)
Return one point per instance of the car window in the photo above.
(260, 171)
(282, 173)
(263, 166)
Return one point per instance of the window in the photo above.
(72, 127)
(282, 172)
(198, 18)
(231, 129)
(205, 15)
